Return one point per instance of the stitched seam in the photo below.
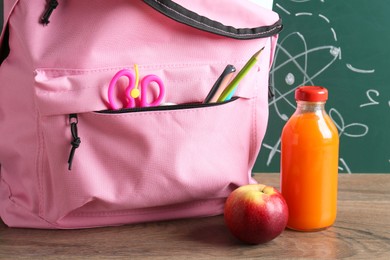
(54, 73)
(254, 127)
(59, 92)
(146, 210)
(20, 206)
(214, 28)
(62, 72)
(39, 168)
(8, 188)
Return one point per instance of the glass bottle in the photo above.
(309, 162)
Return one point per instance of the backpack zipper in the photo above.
(73, 121)
(164, 108)
(50, 6)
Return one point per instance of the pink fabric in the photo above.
(131, 167)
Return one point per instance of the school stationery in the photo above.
(220, 84)
(71, 157)
(231, 88)
(130, 95)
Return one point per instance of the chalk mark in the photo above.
(334, 34)
(300, 1)
(324, 17)
(370, 98)
(274, 150)
(342, 127)
(349, 66)
(303, 13)
(345, 166)
(282, 8)
(293, 59)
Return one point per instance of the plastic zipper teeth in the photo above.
(164, 108)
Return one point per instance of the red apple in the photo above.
(256, 213)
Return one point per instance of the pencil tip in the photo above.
(257, 54)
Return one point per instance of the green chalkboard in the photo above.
(343, 45)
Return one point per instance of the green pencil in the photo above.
(231, 88)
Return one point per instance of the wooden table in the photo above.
(362, 231)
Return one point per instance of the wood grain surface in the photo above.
(362, 231)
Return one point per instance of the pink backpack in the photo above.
(69, 159)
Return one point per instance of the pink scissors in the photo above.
(130, 98)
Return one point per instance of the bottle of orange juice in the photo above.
(309, 162)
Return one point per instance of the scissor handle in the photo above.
(111, 89)
(145, 84)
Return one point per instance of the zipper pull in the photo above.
(271, 89)
(73, 121)
(50, 6)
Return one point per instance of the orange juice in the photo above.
(309, 162)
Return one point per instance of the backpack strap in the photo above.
(188, 17)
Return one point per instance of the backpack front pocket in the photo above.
(136, 165)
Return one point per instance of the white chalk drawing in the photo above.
(344, 166)
(300, 73)
(273, 150)
(299, 14)
(349, 66)
(282, 8)
(370, 97)
(353, 130)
